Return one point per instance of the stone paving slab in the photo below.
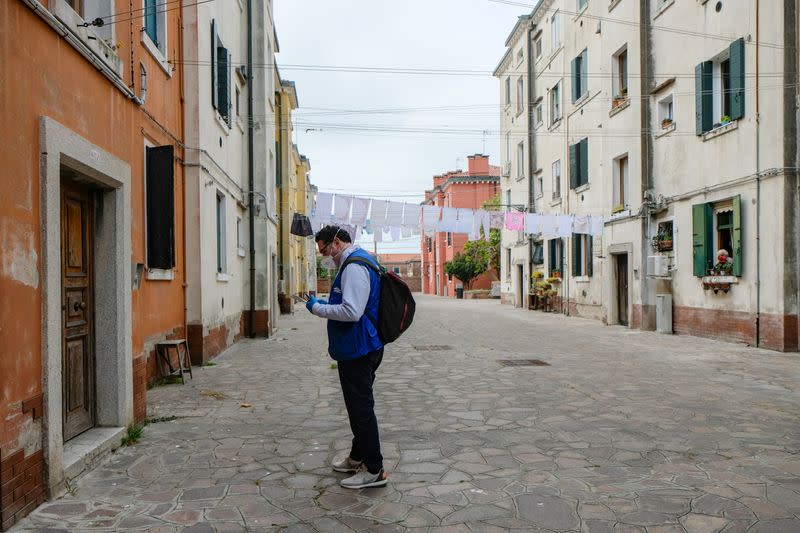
(625, 431)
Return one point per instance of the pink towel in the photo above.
(515, 221)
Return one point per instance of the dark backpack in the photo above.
(396, 306)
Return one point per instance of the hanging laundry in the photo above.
(580, 224)
(394, 214)
(449, 219)
(515, 221)
(360, 210)
(496, 219)
(596, 226)
(377, 235)
(465, 218)
(430, 218)
(411, 216)
(395, 231)
(378, 213)
(322, 212)
(406, 233)
(341, 209)
(565, 226)
(357, 233)
(475, 230)
(486, 224)
(533, 223)
(549, 224)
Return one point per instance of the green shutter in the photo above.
(737, 79)
(584, 86)
(736, 236)
(574, 170)
(583, 153)
(575, 86)
(589, 256)
(213, 64)
(703, 97)
(228, 75)
(223, 89)
(701, 237)
(551, 255)
(576, 254)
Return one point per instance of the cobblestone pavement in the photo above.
(625, 431)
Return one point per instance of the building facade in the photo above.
(407, 266)
(671, 133)
(470, 189)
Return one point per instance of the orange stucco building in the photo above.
(457, 188)
(92, 227)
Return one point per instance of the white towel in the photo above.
(407, 233)
(596, 226)
(430, 218)
(565, 226)
(341, 209)
(377, 234)
(357, 236)
(581, 224)
(360, 210)
(533, 223)
(322, 212)
(411, 216)
(395, 231)
(465, 219)
(486, 219)
(378, 214)
(475, 230)
(449, 219)
(394, 214)
(549, 225)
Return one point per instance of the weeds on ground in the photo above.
(209, 363)
(169, 380)
(133, 434)
(158, 419)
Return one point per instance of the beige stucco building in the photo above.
(676, 122)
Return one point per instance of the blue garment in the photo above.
(351, 340)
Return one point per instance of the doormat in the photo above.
(522, 362)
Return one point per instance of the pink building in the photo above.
(468, 189)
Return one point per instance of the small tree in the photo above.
(466, 266)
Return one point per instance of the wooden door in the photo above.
(77, 304)
(622, 288)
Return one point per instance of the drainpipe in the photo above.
(531, 159)
(183, 179)
(250, 172)
(758, 189)
(647, 68)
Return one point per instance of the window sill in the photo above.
(666, 131)
(581, 188)
(555, 202)
(663, 7)
(555, 53)
(624, 105)
(538, 125)
(241, 252)
(63, 12)
(156, 53)
(613, 4)
(221, 123)
(160, 274)
(520, 178)
(581, 12)
(239, 124)
(223, 277)
(720, 130)
(555, 124)
(620, 214)
(582, 279)
(519, 111)
(577, 104)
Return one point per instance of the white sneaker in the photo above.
(347, 465)
(363, 479)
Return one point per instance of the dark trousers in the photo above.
(357, 377)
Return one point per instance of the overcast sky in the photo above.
(360, 152)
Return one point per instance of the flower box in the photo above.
(664, 245)
(719, 283)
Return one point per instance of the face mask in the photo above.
(328, 263)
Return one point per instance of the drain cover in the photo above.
(433, 348)
(522, 362)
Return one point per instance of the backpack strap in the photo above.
(378, 269)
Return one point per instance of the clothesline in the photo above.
(400, 219)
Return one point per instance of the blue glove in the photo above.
(310, 302)
(322, 301)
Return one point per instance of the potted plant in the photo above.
(556, 273)
(724, 120)
(666, 123)
(619, 208)
(662, 242)
(553, 279)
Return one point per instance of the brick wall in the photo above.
(21, 486)
(731, 326)
(140, 388)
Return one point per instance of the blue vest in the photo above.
(351, 340)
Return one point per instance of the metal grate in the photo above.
(433, 348)
(522, 362)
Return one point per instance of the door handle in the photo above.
(79, 305)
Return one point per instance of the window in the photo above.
(520, 94)
(581, 255)
(396, 270)
(537, 46)
(238, 93)
(666, 115)
(508, 150)
(508, 90)
(221, 255)
(555, 103)
(160, 206)
(520, 56)
(508, 263)
(555, 256)
(620, 170)
(555, 36)
(579, 163)
(508, 199)
(155, 24)
(220, 76)
(449, 239)
(619, 69)
(521, 159)
(540, 185)
(719, 88)
(556, 179)
(430, 243)
(239, 236)
(142, 83)
(717, 226)
(579, 76)
(537, 253)
(537, 114)
(582, 4)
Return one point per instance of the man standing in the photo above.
(353, 341)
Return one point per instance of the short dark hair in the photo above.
(328, 233)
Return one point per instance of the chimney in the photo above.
(478, 165)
